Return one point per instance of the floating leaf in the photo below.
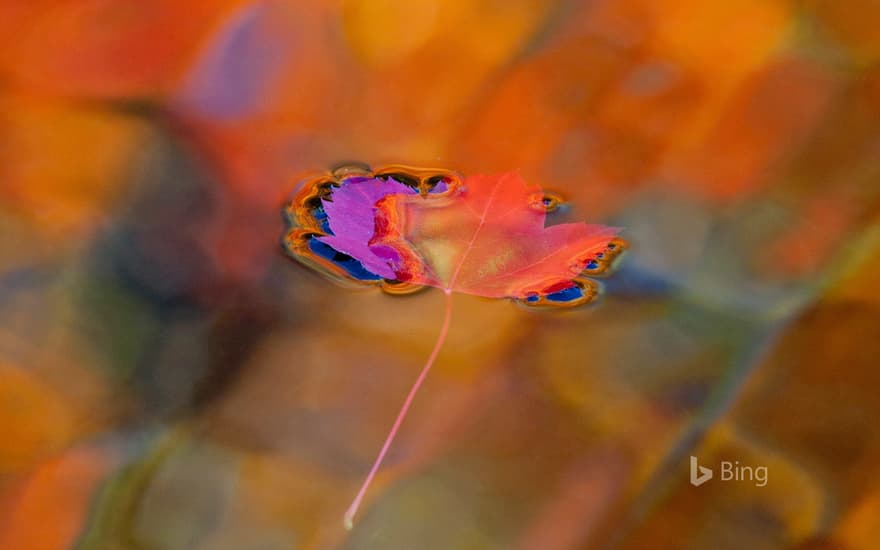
(485, 237)
(407, 229)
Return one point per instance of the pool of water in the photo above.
(184, 363)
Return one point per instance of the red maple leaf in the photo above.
(485, 237)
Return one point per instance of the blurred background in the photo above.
(170, 380)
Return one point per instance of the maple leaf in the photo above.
(485, 237)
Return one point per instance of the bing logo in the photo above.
(730, 471)
(699, 474)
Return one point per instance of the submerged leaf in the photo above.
(351, 213)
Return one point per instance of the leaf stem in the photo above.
(348, 519)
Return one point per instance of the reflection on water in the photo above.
(169, 379)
